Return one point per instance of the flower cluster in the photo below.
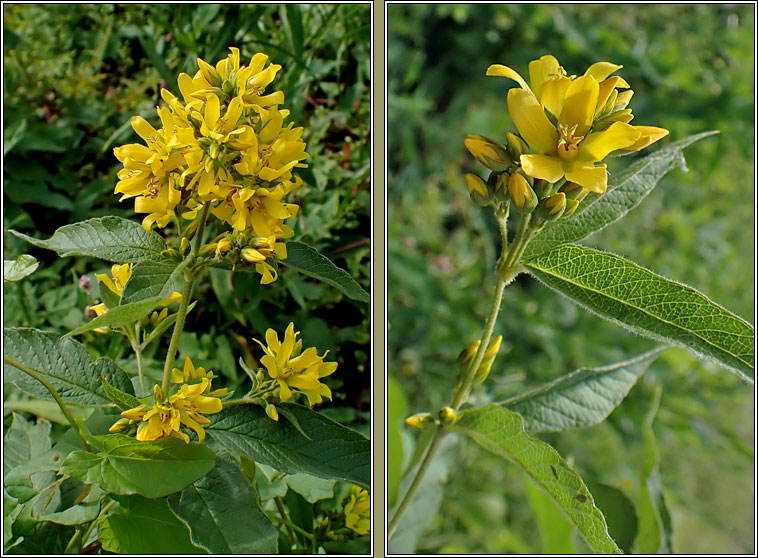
(187, 407)
(571, 123)
(295, 370)
(225, 143)
(358, 511)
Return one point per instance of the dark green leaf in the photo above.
(396, 411)
(332, 452)
(554, 527)
(625, 192)
(145, 526)
(310, 262)
(124, 401)
(582, 398)
(222, 511)
(109, 238)
(502, 432)
(121, 315)
(124, 465)
(65, 363)
(152, 278)
(619, 513)
(631, 296)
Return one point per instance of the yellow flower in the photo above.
(120, 273)
(358, 511)
(591, 117)
(296, 370)
(187, 407)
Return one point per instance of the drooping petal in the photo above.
(530, 120)
(505, 71)
(594, 178)
(601, 70)
(579, 104)
(543, 70)
(596, 146)
(542, 166)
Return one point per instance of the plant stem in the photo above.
(507, 268)
(51, 389)
(75, 539)
(287, 524)
(132, 334)
(189, 281)
(430, 453)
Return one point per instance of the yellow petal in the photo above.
(650, 134)
(601, 70)
(579, 105)
(594, 178)
(542, 166)
(530, 120)
(505, 71)
(606, 88)
(595, 147)
(543, 70)
(553, 94)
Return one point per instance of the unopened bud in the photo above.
(447, 415)
(184, 245)
(251, 255)
(541, 188)
(477, 189)
(488, 152)
(468, 353)
(516, 146)
(553, 207)
(420, 420)
(209, 73)
(85, 283)
(489, 358)
(190, 230)
(571, 207)
(522, 194)
(120, 425)
(272, 413)
(574, 191)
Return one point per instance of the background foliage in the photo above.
(73, 77)
(691, 67)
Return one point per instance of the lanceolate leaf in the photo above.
(331, 451)
(15, 270)
(121, 315)
(625, 191)
(66, 364)
(124, 401)
(582, 398)
(502, 432)
(632, 296)
(109, 238)
(222, 511)
(144, 526)
(308, 261)
(152, 278)
(124, 465)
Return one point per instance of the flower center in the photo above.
(567, 143)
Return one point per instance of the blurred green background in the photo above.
(73, 77)
(692, 70)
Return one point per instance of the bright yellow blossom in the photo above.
(296, 370)
(358, 511)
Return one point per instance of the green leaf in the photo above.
(223, 513)
(582, 398)
(84, 512)
(554, 527)
(145, 526)
(152, 279)
(124, 465)
(109, 238)
(311, 488)
(24, 441)
(120, 315)
(66, 364)
(619, 513)
(631, 296)
(650, 536)
(23, 266)
(124, 400)
(332, 452)
(310, 262)
(625, 192)
(502, 432)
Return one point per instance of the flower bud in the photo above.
(574, 191)
(190, 230)
(468, 353)
(120, 425)
(477, 189)
(272, 413)
(489, 358)
(522, 194)
(251, 255)
(420, 420)
(447, 415)
(184, 245)
(571, 207)
(488, 152)
(553, 207)
(515, 146)
(209, 73)
(85, 283)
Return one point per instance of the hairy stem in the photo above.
(58, 400)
